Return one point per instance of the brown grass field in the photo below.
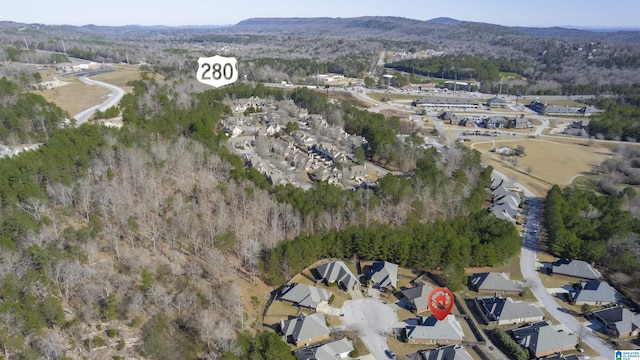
(74, 97)
(547, 161)
(77, 96)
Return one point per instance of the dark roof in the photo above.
(619, 318)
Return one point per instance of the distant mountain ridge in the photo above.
(380, 27)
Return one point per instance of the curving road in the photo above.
(112, 100)
(528, 260)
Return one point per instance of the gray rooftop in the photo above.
(384, 274)
(429, 328)
(595, 291)
(418, 295)
(305, 327)
(542, 337)
(494, 281)
(304, 295)
(575, 268)
(496, 309)
(450, 352)
(337, 272)
(328, 351)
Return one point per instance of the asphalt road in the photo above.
(528, 261)
(112, 100)
(373, 320)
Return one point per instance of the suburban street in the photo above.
(112, 100)
(528, 262)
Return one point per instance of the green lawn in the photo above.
(506, 74)
(378, 96)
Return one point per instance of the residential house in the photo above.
(334, 350)
(503, 212)
(576, 129)
(619, 322)
(575, 268)
(304, 295)
(493, 122)
(543, 339)
(418, 297)
(281, 147)
(511, 199)
(305, 329)
(242, 142)
(594, 293)
(328, 151)
(494, 283)
(431, 331)
(496, 182)
(449, 352)
(505, 311)
(383, 275)
(357, 172)
(521, 123)
(337, 272)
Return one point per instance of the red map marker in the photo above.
(440, 302)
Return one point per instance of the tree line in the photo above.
(475, 240)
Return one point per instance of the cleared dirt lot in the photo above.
(547, 161)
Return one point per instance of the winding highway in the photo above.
(112, 100)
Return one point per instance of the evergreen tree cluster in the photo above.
(475, 240)
(26, 117)
(581, 224)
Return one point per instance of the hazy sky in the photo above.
(543, 13)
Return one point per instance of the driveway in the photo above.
(373, 320)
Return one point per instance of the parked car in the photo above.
(390, 354)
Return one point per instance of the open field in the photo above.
(119, 78)
(378, 96)
(547, 161)
(506, 74)
(74, 97)
(511, 267)
(564, 102)
(347, 96)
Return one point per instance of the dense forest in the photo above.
(460, 67)
(585, 225)
(26, 117)
(620, 119)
